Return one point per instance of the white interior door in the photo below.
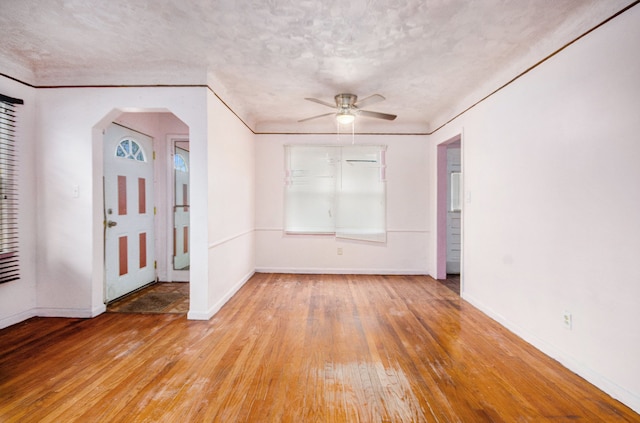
(128, 200)
(181, 209)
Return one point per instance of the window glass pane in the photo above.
(336, 189)
(361, 208)
(179, 163)
(455, 192)
(310, 189)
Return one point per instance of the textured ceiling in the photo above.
(430, 58)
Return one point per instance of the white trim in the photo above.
(16, 318)
(98, 310)
(197, 315)
(341, 271)
(417, 231)
(84, 313)
(616, 391)
(231, 238)
(410, 231)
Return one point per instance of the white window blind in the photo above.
(9, 265)
(337, 190)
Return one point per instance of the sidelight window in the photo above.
(179, 163)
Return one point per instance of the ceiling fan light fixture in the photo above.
(345, 118)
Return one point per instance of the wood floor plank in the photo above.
(294, 348)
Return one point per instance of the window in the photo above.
(455, 192)
(337, 190)
(9, 265)
(129, 149)
(179, 163)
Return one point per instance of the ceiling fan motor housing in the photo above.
(346, 101)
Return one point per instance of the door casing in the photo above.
(442, 208)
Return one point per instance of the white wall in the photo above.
(64, 271)
(551, 165)
(231, 205)
(407, 213)
(18, 298)
(70, 230)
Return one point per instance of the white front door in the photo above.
(129, 211)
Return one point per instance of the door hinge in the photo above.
(154, 155)
(155, 264)
(155, 210)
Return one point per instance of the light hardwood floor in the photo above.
(294, 348)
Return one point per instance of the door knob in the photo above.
(111, 223)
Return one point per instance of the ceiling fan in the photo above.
(348, 107)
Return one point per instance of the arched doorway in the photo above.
(160, 126)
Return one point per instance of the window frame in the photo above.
(337, 190)
(9, 190)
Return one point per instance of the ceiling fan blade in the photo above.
(369, 100)
(377, 115)
(324, 103)
(315, 117)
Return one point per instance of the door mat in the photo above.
(152, 301)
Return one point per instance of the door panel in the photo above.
(128, 199)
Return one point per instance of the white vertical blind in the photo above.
(361, 194)
(9, 265)
(337, 190)
(310, 181)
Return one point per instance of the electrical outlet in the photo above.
(567, 319)
(339, 251)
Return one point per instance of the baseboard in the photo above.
(16, 318)
(52, 312)
(601, 382)
(84, 313)
(340, 271)
(98, 310)
(196, 315)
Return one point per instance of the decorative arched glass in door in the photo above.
(129, 149)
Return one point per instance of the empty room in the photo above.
(322, 211)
